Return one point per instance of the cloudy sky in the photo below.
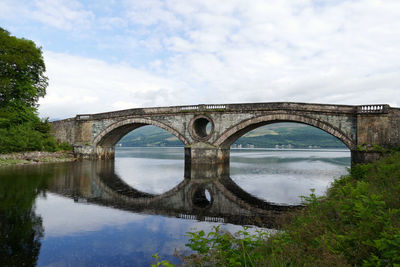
(104, 55)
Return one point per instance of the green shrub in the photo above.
(24, 137)
(220, 248)
(65, 146)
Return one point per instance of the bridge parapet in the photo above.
(82, 117)
(373, 109)
(203, 108)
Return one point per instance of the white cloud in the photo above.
(75, 218)
(81, 85)
(150, 12)
(69, 15)
(344, 52)
(62, 14)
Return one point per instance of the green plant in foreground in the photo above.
(159, 262)
(224, 249)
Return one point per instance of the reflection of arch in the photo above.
(107, 180)
(111, 182)
(114, 132)
(241, 196)
(238, 130)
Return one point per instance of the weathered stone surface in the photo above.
(64, 130)
(95, 135)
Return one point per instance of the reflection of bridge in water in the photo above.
(196, 197)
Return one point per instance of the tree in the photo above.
(22, 79)
(22, 83)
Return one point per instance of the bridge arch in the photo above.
(114, 132)
(232, 134)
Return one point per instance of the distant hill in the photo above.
(288, 135)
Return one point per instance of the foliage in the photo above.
(220, 248)
(159, 262)
(26, 137)
(372, 147)
(22, 82)
(65, 146)
(356, 224)
(22, 79)
(4, 162)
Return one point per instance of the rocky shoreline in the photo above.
(35, 157)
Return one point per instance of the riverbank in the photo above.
(35, 157)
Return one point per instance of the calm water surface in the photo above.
(120, 213)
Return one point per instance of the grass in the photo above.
(8, 162)
(20, 159)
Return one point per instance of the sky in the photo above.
(105, 55)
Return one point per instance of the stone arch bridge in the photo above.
(207, 131)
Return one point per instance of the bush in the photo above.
(24, 137)
(220, 248)
(65, 146)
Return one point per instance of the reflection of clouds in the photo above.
(153, 176)
(62, 216)
(285, 182)
(153, 226)
(282, 188)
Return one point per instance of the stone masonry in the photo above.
(207, 131)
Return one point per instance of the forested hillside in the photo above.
(286, 135)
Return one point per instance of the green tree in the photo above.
(22, 83)
(22, 79)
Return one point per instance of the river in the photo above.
(119, 213)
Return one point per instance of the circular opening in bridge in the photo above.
(202, 198)
(202, 127)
